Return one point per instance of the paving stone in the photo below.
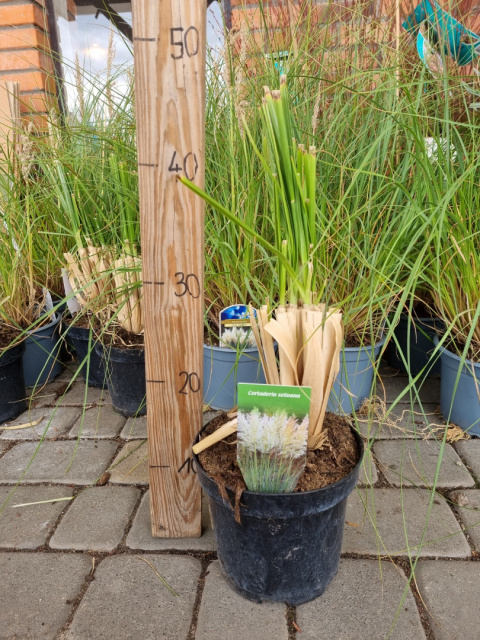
(57, 421)
(362, 603)
(140, 535)
(368, 470)
(3, 446)
(389, 388)
(225, 614)
(386, 510)
(468, 508)
(450, 593)
(96, 519)
(470, 452)
(29, 527)
(414, 463)
(75, 397)
(68, 372)
(128, 600)
(135, 428)
(402, 423)
(98, 422)
(46, 395)
(133, 468)
(37, 592)
(88, 461)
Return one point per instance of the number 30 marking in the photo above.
(190, 284)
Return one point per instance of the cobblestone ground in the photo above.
(89, 567)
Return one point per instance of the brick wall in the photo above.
(24, 55)
(276, 22)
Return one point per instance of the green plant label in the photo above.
(272, 435)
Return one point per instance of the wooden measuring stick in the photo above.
(169, 50)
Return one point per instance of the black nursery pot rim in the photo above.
(81, 333)
(12, 353)
(254, 500)
(119, 354)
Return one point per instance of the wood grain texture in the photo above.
(170, 107)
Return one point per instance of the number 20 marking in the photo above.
(188, 42)
(192, 381)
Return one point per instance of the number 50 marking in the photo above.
(188, 42)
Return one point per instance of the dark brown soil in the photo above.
(324, 466)
(84, 321)
(7, 335)
(355, 341)
(457, 347)
(362, 340)
(117, 336)
(122, 339)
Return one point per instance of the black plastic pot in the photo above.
(12, 383)
(41, 360)
(126, 383)
(83, 343)
(287, 547)
(420, 347)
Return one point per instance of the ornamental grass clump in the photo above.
(456, 275)
(89, 166)
(271, 450)
(308, 333)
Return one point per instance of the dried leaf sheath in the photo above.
(108, 287)
(309, 344)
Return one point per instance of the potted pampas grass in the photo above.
(12, 345)
(108, 286)
(457, 300)
(235, 268)
(27, 307)
(90, 167)
(412, 347)
(284, 546)
(235, 359)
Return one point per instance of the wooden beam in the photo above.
(116, 19)
(57, 59)
(10, 122)
(169, 53)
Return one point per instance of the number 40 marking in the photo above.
(176, 168)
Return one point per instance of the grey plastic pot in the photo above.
(12, 384)
(287, 547)
(353, 385)
(461, 405)
(41, 362)
(415, 343)
(223, 369)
